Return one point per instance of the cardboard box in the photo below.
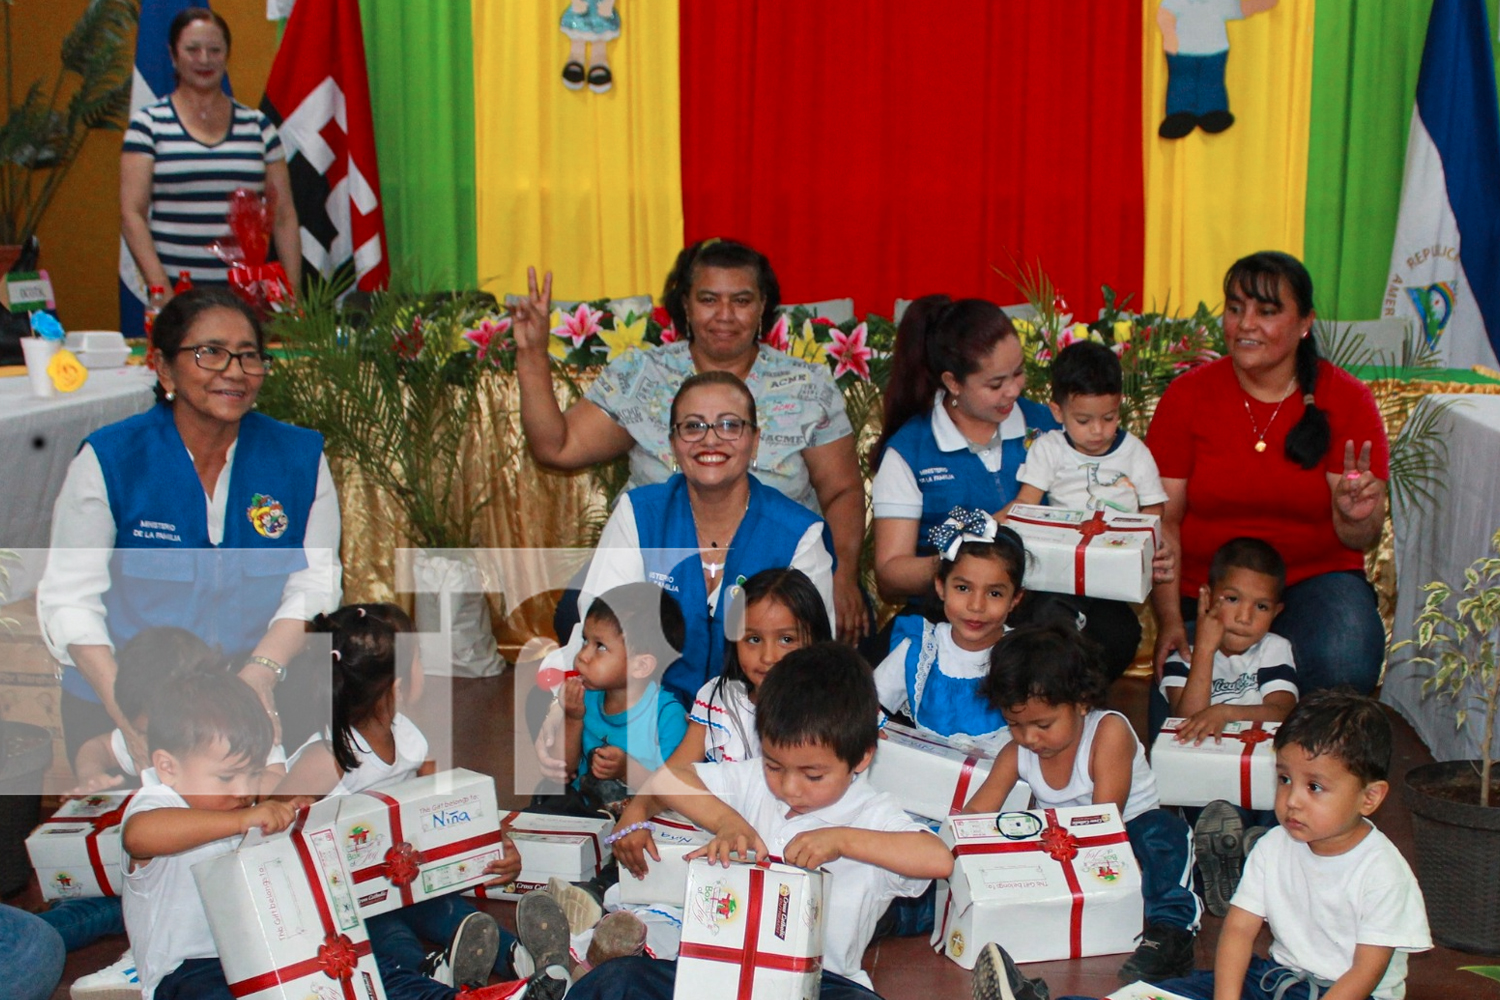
(666, 880)
(283, 915)
(1144, 991)
(76, 853)
(421, 838)
(1047, 884)
(571, 848)
(752, 931)
(1102, 554)
(933, 776)
(1240, 768)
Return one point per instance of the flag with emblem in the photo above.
(318, 95)
(1445, 264)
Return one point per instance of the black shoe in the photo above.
(469, 957)
(1215, 122)
(1165, 952)
(997, 978)
(573, 76)
(1252, 837)
(1219, 841)
(1177, 124)
(600, 79)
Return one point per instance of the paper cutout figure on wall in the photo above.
(1196, 44)
(591, 25)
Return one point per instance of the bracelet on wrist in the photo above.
(627, 831)
(271, 665)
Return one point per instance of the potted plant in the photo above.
(40, 140)
(1454, 803)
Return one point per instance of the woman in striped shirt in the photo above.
(186, 154)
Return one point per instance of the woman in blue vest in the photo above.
(710, 524)
(197, 513)
(956, 431)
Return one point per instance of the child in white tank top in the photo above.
(1049, 684)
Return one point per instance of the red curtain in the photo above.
(890, 148)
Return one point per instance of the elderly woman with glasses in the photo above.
(197, 513)
(710, 527)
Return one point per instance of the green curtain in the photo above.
(421, 65)
(1366, 57)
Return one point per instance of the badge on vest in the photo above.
(267, 516)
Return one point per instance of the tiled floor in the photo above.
(903, 969)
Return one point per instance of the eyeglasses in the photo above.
(216, 359)
(727, 428)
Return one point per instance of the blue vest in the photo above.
(949, 706)
(766, 539)
(164, 570)
(951, 479)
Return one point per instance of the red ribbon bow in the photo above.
(1059, 844)
(1253, 736)
(402, 863)
(337, 957)
(1094, 526)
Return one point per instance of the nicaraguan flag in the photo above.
(1445, 264)
(154, 79)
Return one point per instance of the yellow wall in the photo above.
(80, 233)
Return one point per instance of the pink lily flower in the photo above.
(778, 337)
(851, 351)
(580, 324)
(489, 337)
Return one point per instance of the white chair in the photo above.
(837, 310)
(1022, 310)
(1384, 339)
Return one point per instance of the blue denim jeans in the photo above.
(1163, 844)
(1195, 83)
(81, 922)
(1261, 981)
(31, 955)
(652, 979)
(397, 937)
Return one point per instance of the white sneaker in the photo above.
(117, 981)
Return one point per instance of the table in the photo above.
(38, 439)
(1439, 541)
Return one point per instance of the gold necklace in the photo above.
(1260, 435)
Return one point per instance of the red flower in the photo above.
(661, 317)
(777, 337)
(823, 321)
(408, 344)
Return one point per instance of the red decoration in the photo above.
(338, 957)
(402, 864)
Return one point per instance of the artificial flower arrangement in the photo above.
(592, 334)
(63, 368)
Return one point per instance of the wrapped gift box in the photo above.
(751, 931)
(933, 776)
(1144, 991)
(76, 853)
(666, 880)
(571, 848)
(1047, 884)
(1094, 553)
(283, 915)
(1240, 768)
(421, 838)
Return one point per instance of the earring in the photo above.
(953, 401)
(755, 463)
(171, 395)
(674, 466)
(1306, 333)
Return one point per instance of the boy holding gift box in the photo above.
(1343, 906)
(1094, 464)
(1047, 682)
(803, 801)
(208, 737)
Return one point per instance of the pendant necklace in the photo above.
(713, 569)
(1260, 435)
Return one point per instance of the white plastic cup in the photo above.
(39, 353)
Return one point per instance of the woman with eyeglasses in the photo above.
(198, 513)
(714, 508)
(722, 297)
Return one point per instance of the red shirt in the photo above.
(1201, 433)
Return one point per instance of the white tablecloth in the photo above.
(1438, 541)
(38, 438)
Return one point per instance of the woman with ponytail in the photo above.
(1274, 443)
(956, 431)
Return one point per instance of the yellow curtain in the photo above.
(1211, 199)
(588, 185)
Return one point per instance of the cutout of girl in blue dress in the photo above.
(591, 25)
(935, 670)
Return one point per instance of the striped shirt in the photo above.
(191, 182)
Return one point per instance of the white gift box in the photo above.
(420, 838)
(76, 853)
(1144, 991)
(1094, 553)
(571, 848)
(666, 880)
(1046, 884)
(1240, 768)
(751, 931)
(283, 915)
(933, 776)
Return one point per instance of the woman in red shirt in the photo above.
(1274, 443)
